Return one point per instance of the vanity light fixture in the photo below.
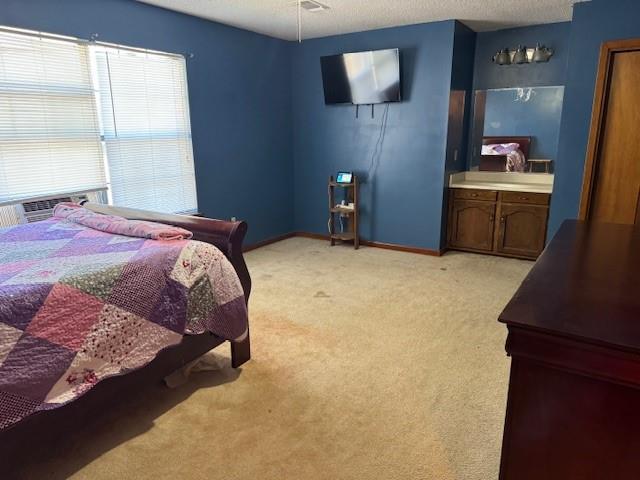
(520, 56)
(502, 57)
(523, 55)
(542, 54)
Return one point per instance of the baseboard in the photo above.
(316, 236)
(368, 243)
(402, 248)
(268, 241)
(371, 243)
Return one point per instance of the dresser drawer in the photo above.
(471, 194)
(525, 197)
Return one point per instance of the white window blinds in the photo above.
(49, 128)
(144, 109)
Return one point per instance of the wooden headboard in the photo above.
(524, 142)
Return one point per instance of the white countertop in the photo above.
(507, 181)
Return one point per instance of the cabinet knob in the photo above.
(474, 194)
(501, 219)
(524, 198)
(491, 218)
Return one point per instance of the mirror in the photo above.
(533, 112)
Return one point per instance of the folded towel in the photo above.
(75, 213)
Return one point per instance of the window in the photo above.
(49, 128)
(145, 122)
(77, 116)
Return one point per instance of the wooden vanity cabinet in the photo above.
(472, 225)
(512, 224)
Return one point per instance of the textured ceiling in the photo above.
(278, 18)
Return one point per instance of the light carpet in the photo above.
(368, 364)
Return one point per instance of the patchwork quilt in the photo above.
(79, 304)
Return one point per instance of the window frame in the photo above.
(91, 48)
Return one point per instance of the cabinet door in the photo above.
(522, 229)
(472, 224)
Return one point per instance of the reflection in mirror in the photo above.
(513, 115)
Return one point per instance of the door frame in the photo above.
(600, 103)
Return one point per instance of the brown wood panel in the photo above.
(521, 233)
(472, 224)
(456, 123)
(479, 107)
(472, 194)
(493, 163)
(525, 197)
(566, 426)
(585, 286)
(611, 186)
(521, 229)
(574, 340)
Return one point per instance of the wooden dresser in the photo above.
(573, 410)
(507, 223)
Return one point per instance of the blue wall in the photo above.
(489, 75)
(245, 139)
(593, 23)
(402, 166)
(239, 86)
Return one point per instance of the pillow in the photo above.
(499, 148)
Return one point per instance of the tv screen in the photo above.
(362, 78)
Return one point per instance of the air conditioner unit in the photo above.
(37, 210)
(41, 208)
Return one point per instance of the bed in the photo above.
(39, 428)
(498, 163)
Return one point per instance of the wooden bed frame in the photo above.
(498, 163)
(22, 441)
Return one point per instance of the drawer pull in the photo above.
(524, 198)
(474, 194)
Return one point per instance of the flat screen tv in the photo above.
(362, 78)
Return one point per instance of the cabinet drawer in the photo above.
(471, 194)
(525, 197)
